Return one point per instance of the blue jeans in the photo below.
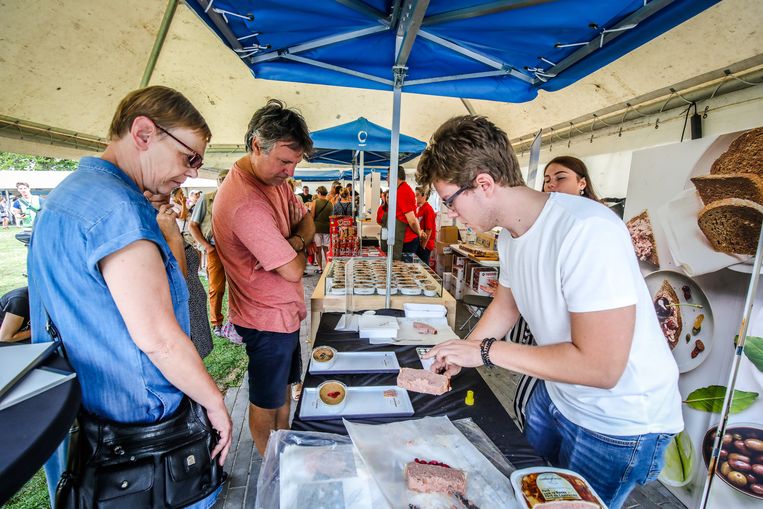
(611, 464)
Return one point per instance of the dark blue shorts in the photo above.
(275, 361)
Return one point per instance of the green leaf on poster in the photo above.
(753, 349)
(710, 399)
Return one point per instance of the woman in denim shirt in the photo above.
(100, 267)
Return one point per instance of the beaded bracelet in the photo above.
(485, 351)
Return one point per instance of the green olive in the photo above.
(737, 479)
(725, 468)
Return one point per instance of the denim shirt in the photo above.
(93, 213)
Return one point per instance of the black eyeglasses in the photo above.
(448, 202)
(195, 160)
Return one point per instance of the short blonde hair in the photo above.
(163, 105)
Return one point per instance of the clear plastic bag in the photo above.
(387, 448)
(316, 470)
(325, 471)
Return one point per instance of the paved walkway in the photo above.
(244, 461)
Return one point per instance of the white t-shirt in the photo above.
(578, 258)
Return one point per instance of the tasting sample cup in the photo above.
(324, 356)
(332, 396)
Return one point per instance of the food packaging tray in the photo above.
(357, 362)
(362, 402)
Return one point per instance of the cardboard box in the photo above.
(442, 247)
(448, 234)
(483, 284)
(447, 281)
(460, 286)
(444, 263)
(487, 240)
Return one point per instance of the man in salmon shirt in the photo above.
(426, 216)
(261, 232)
(407, 229)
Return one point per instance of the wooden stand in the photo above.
(320, 302)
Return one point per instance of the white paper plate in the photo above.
(682, 351)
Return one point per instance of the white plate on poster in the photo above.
(682, 351)
(702, 167)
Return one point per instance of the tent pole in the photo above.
(361, 201)
(159, 42)
(393, 163)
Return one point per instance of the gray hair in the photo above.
(275, 122)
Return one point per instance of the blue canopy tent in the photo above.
(496, 50)
(364, 144)
(343, 143)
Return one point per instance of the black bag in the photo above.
(161, 465)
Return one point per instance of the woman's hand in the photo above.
(166, 219)
(221, 422)
(453, 355)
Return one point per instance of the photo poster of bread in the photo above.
(690, 209)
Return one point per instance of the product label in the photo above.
(554, 487)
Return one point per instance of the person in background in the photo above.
(609, 404)
(306, 196)
(193, 198)
(178, 203)
(117, 297)
(569, 175)
(407, 229)
(335, 193)
(321, 212)
(4, 213)
(343, 207)
(381, 220)
(201, 231)
(262, 231)
(427, 219)
(27, 205)
(14, 316)
(354, 196)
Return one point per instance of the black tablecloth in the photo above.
(487, 411)
(31, 430)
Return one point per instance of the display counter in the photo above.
(326, 300)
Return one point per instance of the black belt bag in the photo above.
(163, 465)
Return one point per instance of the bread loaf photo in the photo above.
(732, 225)
(746, 186)
(745, 155)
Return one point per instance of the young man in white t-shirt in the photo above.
(610, 404)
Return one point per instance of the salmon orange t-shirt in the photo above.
(251, 227)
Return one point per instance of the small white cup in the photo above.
(327, 398)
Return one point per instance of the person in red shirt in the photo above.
(426, 216)
(407, 229)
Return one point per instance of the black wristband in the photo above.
(485, 351)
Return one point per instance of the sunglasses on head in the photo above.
(195, 160)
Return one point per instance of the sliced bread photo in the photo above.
(747, 186)
(732, 225)
(642, 237)
(745, 155)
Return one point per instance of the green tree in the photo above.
(19, 162)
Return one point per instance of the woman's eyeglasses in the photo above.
(195, 160)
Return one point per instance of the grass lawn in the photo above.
(226, 363)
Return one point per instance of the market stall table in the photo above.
(32, 429)
(487, 412)
(321, 303)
